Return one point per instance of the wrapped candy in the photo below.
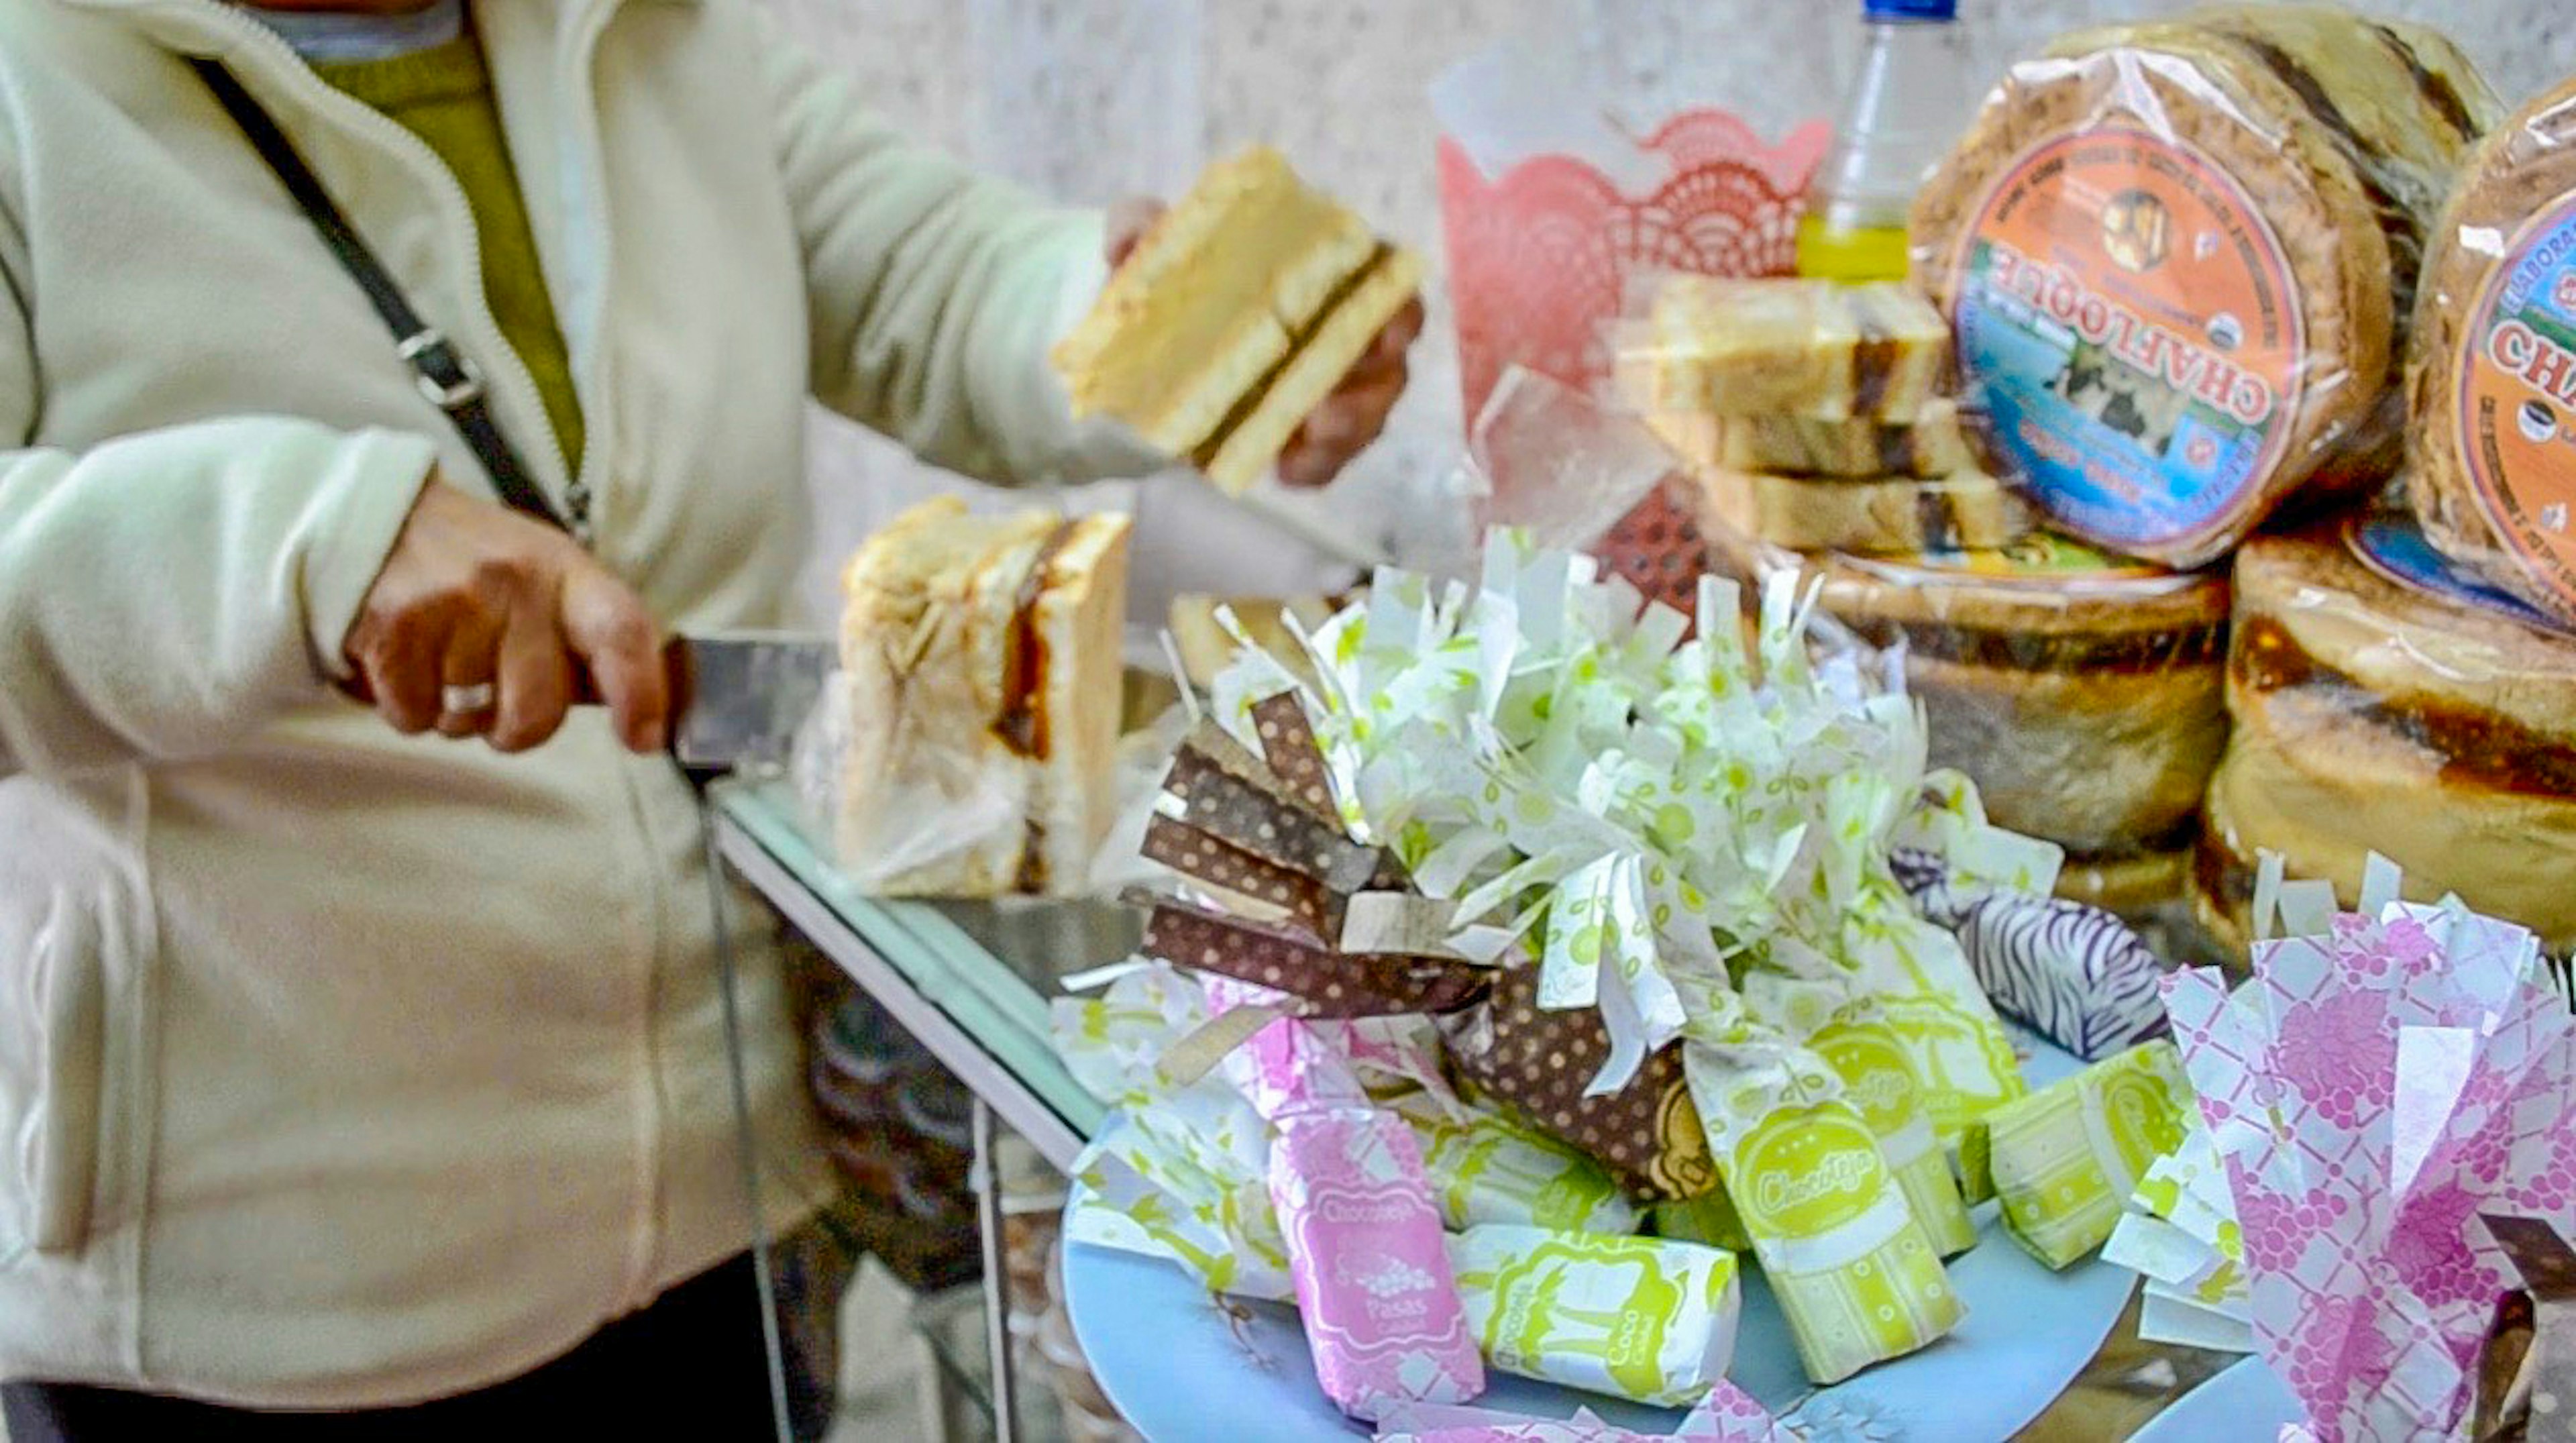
(2385, 1077)
(1645, 1319)
(1374, 1286)
(1187, 1178)
(1674, 849)
(1853, 1269)
(2077, 974)
(1485, 1168)
(2181, 1235)
(2065, 1158)
(1727, 1415)
(1308, 912)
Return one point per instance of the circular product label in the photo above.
(1806, 1172)
(2126, 316)
(2517, 416)
(2395, 547)
(1876, 1077)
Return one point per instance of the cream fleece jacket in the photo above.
(344, 1069)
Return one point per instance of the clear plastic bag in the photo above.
(951, 807)
(2081, 693)
(2381, 705)
(2180, 255)
(2493, 374)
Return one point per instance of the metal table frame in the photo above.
(1000, 1094)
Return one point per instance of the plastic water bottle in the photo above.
(1904, 109)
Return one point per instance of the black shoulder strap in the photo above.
(450, 381)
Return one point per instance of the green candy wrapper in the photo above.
(1486, 1168)
(1710, 1218)
(2066, 1158)
(1879, 1081)
(1854, 1271)
(1641, 1318)
(1188, 1178)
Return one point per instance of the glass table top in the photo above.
(990, 966)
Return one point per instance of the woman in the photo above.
(349, 1063)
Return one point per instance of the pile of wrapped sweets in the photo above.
(1531, 968)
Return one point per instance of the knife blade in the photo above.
(738, 697)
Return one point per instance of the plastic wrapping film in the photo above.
(2081, 693)
(975, 805)
(2180, 259)
(2493, 375)
(969, 741)
(2380, 703)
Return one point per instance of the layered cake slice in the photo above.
(1934, 443)
(983, 661)
(1731, 347)
(1239, 312)
(1970, 510)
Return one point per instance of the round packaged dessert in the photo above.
(2382, 702)
(2081, 692)
(2494, 372)
(2178, 258)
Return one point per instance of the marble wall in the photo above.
(1091, 99)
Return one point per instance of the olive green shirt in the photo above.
(444, 96)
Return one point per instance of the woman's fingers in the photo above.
(469, 674)
(475, 597)
(613, 638)
(535, 678)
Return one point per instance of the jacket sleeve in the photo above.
(933, 293)
(166, 593)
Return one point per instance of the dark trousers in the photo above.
(691, 1365)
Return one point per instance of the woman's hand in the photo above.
(487, 623)
(1346, 421)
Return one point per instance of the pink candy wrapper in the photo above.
(1374, 1286)
(1727, 1415)
(2379, 1084)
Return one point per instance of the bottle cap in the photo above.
(1910, 9)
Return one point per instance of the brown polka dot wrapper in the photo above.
(1242, 815)
(1237, 874)
(1288, 744)
(1326, 982)
(1538, 1062)
(2526, 1379)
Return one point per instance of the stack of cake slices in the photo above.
(1812, 416)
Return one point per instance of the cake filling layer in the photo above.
(1022, 723)
(1249, 403)
(2475, 747)
(2139, 652)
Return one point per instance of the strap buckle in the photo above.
(447, 376)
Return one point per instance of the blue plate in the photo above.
(2246, 1404)
(1184, 1366)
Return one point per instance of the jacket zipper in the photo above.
(505, 366)
(574, 79)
